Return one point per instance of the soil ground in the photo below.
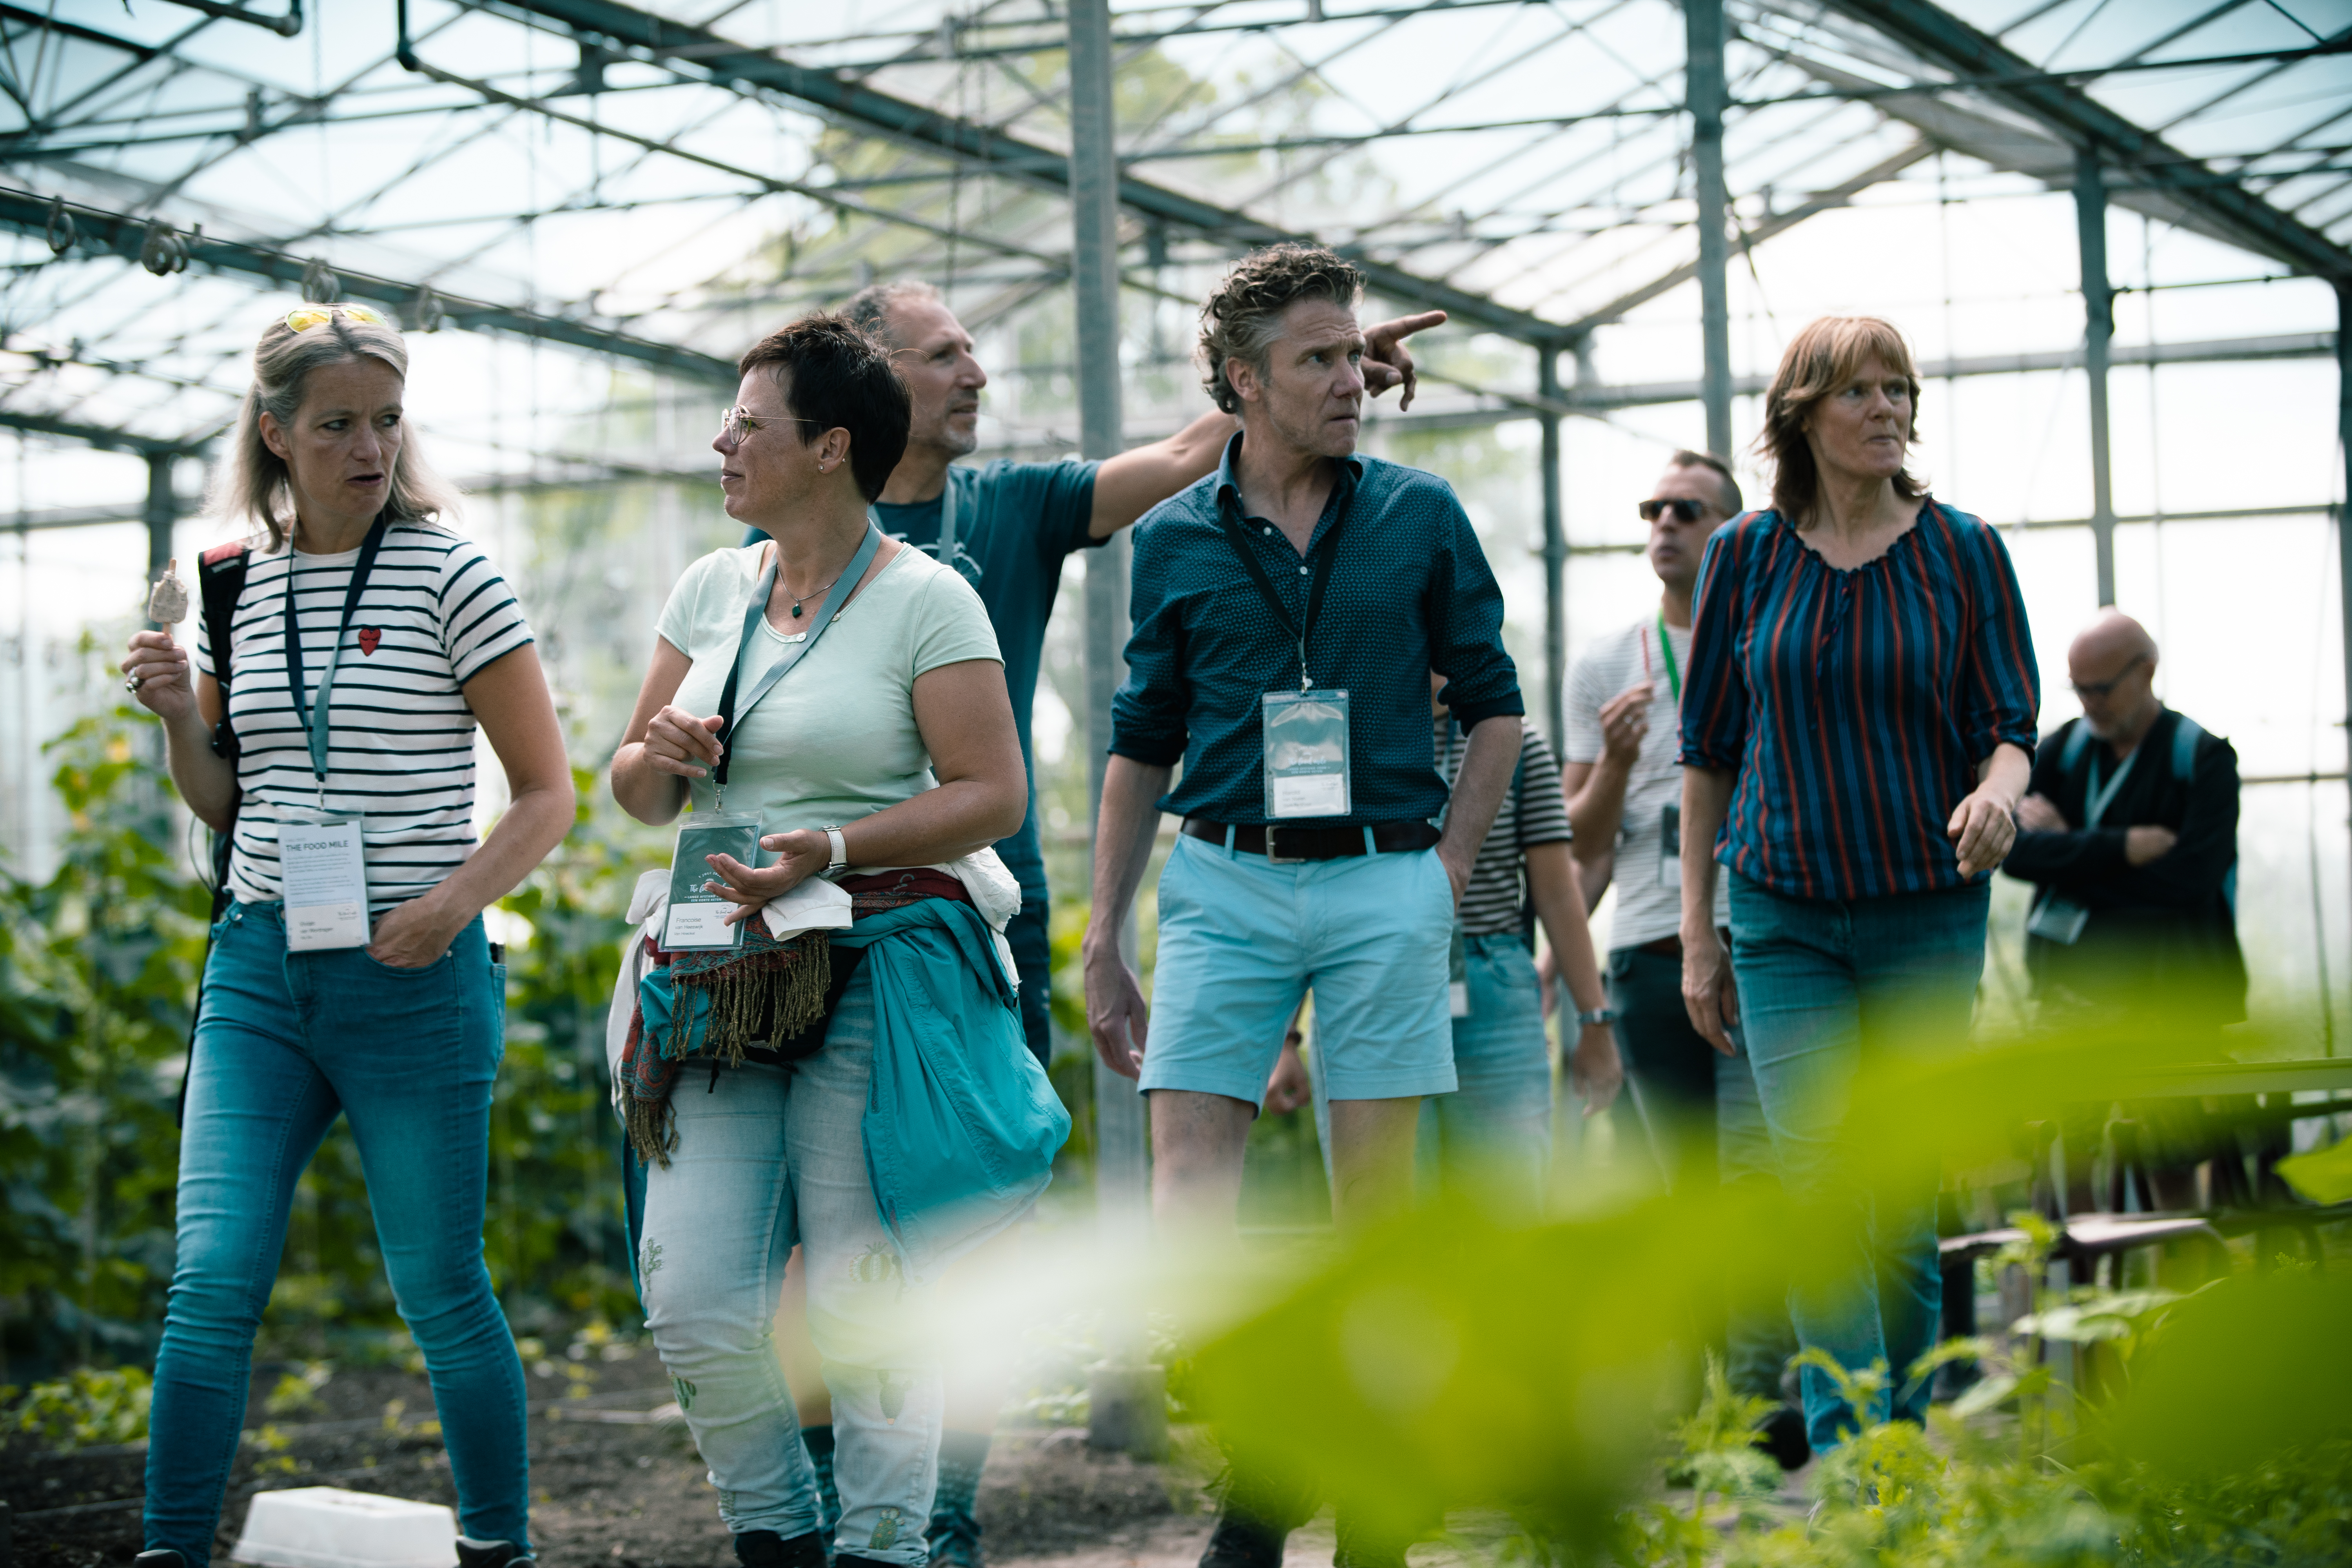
(614, 1481)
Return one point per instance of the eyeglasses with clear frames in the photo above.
(739, 422)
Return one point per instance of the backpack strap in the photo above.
(220, 578)
(2184, 736)
(2077, 739)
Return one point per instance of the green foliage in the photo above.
(84, 1408)
(98, 965)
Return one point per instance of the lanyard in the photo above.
(2096, 802)
(842, 586)
(1318, 567)
(316, 731)
(1665, 647)
(944, 551)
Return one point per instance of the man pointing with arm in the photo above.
(1288, 611)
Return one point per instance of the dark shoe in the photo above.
(766, 1549)
(1783, 1436)
(474, 1553)
(1242, 1541)
(159, 1560)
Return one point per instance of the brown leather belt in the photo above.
(1665, 947)
(1289, 845)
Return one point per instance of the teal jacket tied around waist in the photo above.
(961, 1124)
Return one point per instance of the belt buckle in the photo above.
(1272, 857)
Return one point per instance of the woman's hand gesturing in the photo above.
(799, 856)
(159, 676)
(679, 743)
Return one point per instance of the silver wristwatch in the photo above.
(1585, 1020)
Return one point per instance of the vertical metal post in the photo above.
(1554, 552)
(2344, 509)
(1703, 94)
(163, 514)
(2098, 332)
(1128, 1398)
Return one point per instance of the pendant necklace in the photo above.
(811, 593)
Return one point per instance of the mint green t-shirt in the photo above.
(834, 740)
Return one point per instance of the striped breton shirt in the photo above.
(435, 614)
(1855, 707)
(1534, 811)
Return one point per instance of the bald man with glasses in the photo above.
(2129, 832)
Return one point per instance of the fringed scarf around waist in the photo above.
(765, 990)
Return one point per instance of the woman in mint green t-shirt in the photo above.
(882, 758)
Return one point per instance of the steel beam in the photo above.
(103, 438)
(1703, 92)
(1555, 558)
(1943, 39)
(104, 233)
(1129, 1404)
(2344, 509)
(737, 66)
(2098, 334)
(163, 513)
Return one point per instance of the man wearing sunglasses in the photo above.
(1623, 724)
(2129, 832)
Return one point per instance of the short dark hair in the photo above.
(1686, 458)
(1244, 317)
(841, 379)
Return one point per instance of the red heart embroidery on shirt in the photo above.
(369, 637)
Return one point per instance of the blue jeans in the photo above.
(768, 1156)
(1828, 988)
(1705, 1123)
(286, 1042)
(1494, 1131)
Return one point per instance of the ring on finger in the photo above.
(131, 683)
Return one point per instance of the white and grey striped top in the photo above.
(1533, 813)
(435, 614)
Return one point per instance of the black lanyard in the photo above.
(317, 733)
(1318, 568)
(842, 586)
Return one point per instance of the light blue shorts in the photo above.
(1241, 940)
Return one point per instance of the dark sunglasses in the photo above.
(1683, 510)
(2102, 690)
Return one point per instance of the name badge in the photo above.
(2058, 919)
(697, 921)
(322, 868)
(1305, 754)
(1670, 845)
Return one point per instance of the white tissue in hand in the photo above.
(168, 603)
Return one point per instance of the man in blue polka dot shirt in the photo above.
(1288, 609)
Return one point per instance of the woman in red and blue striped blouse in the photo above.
(1858, 723)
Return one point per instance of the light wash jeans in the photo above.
(1828, 987)
(1492, 1133)
(286, 1042)
(768, 1156)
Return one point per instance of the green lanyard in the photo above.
(1673, 675)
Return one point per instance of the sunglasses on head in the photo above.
(1683, 510)
(310, 316)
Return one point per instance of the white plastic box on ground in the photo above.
(327, 1527)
